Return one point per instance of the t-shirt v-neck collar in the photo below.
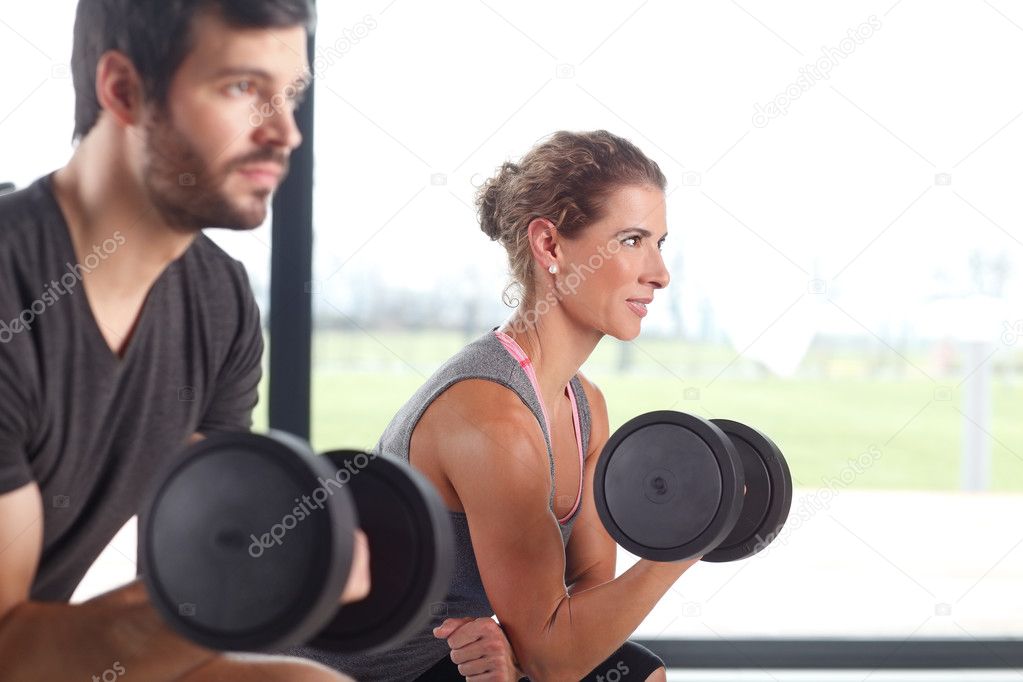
(94, 333)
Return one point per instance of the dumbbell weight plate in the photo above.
(411, 550)
(768, 497)
(668, 486)
(207, 556)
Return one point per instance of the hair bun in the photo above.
(489, 197)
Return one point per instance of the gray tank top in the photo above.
(484, 358)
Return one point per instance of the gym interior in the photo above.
(846, 278)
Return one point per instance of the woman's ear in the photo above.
(543, 242)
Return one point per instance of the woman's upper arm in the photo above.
(591, 552)
(494, 458)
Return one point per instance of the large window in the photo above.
(845, 258)
(845, 249)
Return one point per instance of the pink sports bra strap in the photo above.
(516, 352)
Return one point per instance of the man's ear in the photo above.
(119, 88)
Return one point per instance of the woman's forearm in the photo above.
(588, 625)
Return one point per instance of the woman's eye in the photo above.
(634, 240)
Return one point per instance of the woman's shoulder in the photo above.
(477, 403)
(477, 416)
(480, 425)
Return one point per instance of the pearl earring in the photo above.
(553, 269)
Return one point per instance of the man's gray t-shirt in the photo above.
(89, 427)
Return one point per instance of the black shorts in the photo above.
(632, 660)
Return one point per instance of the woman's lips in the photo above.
(637, 307)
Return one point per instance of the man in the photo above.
(124, 331)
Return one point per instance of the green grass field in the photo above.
(914, 432)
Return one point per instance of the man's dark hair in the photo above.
(157, 36)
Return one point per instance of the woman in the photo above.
(509, 431)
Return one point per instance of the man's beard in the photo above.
(191, 196)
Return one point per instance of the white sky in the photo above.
(850, 169)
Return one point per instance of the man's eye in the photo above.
(241, 88)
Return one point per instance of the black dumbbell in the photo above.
(246, 545)
(671, 486)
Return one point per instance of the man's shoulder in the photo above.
(217, 265)
(22, 209)
(209, 249)
(29, 222)
(20, 200)
(221, 285)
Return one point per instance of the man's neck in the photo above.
(102, 199)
